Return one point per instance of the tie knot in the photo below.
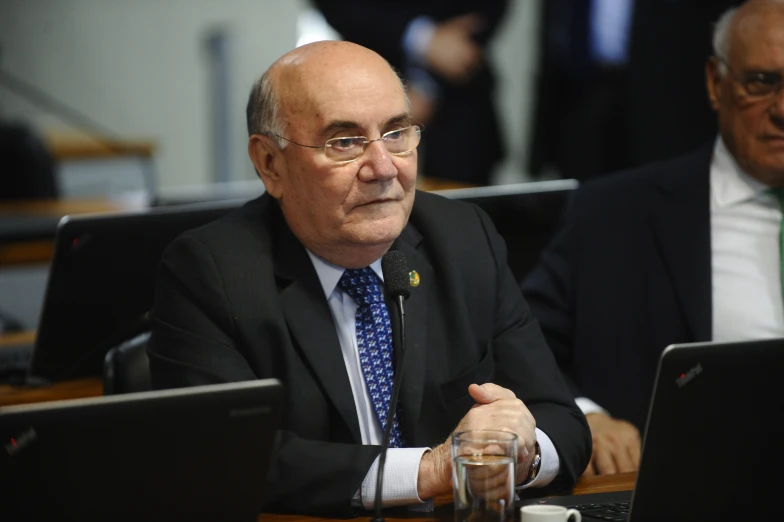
(362, 284)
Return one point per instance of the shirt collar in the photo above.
(730, 185)
(329, 275)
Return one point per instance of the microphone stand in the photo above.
(378, 517)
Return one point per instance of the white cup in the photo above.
(539, 513)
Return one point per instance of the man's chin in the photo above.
(375, 232)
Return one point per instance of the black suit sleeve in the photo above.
(375, 25)
(549, 291)
(193, 343)
(525, 365)
(380, 25)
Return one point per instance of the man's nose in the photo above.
(377, 162)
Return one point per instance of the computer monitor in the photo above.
(527, 215)
(196, 454)
(712, 443)
(101, 283)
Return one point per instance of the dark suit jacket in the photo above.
(629, 274)
(466, 114)
(657, 107)
(239, 299)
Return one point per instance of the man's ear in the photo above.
(266, 157)
(713, 82)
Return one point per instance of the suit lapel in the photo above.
(310, 322)
(681, 222)
(315, 331)
(416, 308)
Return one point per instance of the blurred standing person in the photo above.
(620, 84)
(440, 49)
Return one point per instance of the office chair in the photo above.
(126, 367)
(28, 165)
(527, 215)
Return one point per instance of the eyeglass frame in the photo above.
(751, 76)
(365, 144)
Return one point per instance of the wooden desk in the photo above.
(431, 184)
(70, 145)
(77, 389)
(10, 339)
(443, 512)
(58, 207)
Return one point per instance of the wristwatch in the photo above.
(536, 464)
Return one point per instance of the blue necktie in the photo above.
(374, 342)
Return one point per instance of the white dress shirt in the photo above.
(745, 253)
(402, 466)
(745, 222)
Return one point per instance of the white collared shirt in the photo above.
(402, 466)
(745, 253)
(745, 222)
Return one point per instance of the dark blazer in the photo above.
(466, 115)
(239, 299)
(587, 122)
(629, 274)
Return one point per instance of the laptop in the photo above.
(196, 454)
(713, 447)
(100, 287)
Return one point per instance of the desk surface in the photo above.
(601, 484)
(58, 207)
(77, 389)
(8, 339)
(78, 146)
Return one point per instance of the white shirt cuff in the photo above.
(550, 464)
(587, 406)
(401, 473)
(417, 36)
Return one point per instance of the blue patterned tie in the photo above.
(374, 341)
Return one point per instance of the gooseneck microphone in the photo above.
(394, 266)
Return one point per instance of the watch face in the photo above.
(536, 463)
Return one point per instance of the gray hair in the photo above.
(721, 38)
(262, 111)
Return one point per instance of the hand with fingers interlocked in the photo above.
(496, 408)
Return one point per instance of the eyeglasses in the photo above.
(399, 142)
(757, 84)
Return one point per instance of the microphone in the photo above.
(394, 266)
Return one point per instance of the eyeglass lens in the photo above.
(762, 83)
(399, 141)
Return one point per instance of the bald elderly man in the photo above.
(271, 291)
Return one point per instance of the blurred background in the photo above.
(110, 105)
(175, 75)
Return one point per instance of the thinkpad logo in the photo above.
(685, 378)
(20, 442)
